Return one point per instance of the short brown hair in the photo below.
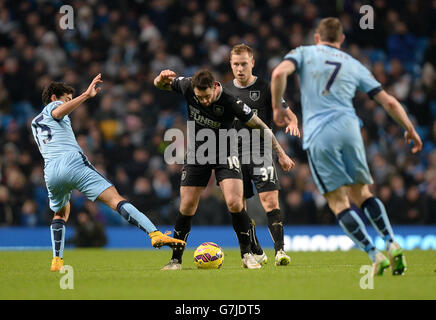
(203, 80)
(56, 88)
(240, 48)
(330, 30)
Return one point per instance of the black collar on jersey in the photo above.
(331, 46)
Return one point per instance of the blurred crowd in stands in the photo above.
(122, 129)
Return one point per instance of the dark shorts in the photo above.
(199, 175)
(265, 180)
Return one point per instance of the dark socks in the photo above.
(181, 232)
(275, 226)
(241, 225)
(255, 245)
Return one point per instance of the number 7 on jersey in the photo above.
(332, 77)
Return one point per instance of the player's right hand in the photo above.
(413, 136)
(166, 76)
(286, 162)
(92, 91)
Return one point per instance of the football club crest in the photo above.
(218, 110)
(255, 95)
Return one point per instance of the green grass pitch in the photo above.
(136, 274)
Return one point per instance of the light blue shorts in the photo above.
(337, 155)
(72, 171)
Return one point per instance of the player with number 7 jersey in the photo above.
(67, 168)
(329, 79)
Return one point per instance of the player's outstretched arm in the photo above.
(68, 107)
(164, 80)
(256, 123)
(278, 85)
(396, 111)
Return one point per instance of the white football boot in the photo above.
(174, 264)
(249, 262)
(282, 259)
(261, 258)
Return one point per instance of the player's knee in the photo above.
(270, 202)
(63, 213)
(360, 194)
(337, 206)
(270, 206)
(235, 204)
(116, 204)
(188, 208)
(111, 198)
(116, 201)
(60, 214)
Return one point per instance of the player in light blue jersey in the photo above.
(67, 168)
(332, 138)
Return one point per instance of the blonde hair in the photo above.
(240, 48)
(330, 30)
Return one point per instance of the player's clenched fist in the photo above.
(164, 79)
(167, 74)
(286, 162)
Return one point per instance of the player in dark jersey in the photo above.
(212, 109)
(256, 92)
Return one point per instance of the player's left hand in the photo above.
(286, 162)
(293, 130)
(413, 136)
(292, 127)
(281, 117)
(92, 90)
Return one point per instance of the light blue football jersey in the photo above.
(329, 78)
(53, 137)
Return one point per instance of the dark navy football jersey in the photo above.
(257, 96)
(219, 115)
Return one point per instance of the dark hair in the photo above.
(203, 80)
(55, 88)
(330, 30)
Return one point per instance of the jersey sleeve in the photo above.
(51, 106)
(181, 84)
(296, 56)
(242, 111)
(367, 82)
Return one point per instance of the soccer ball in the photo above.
(208, 255)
